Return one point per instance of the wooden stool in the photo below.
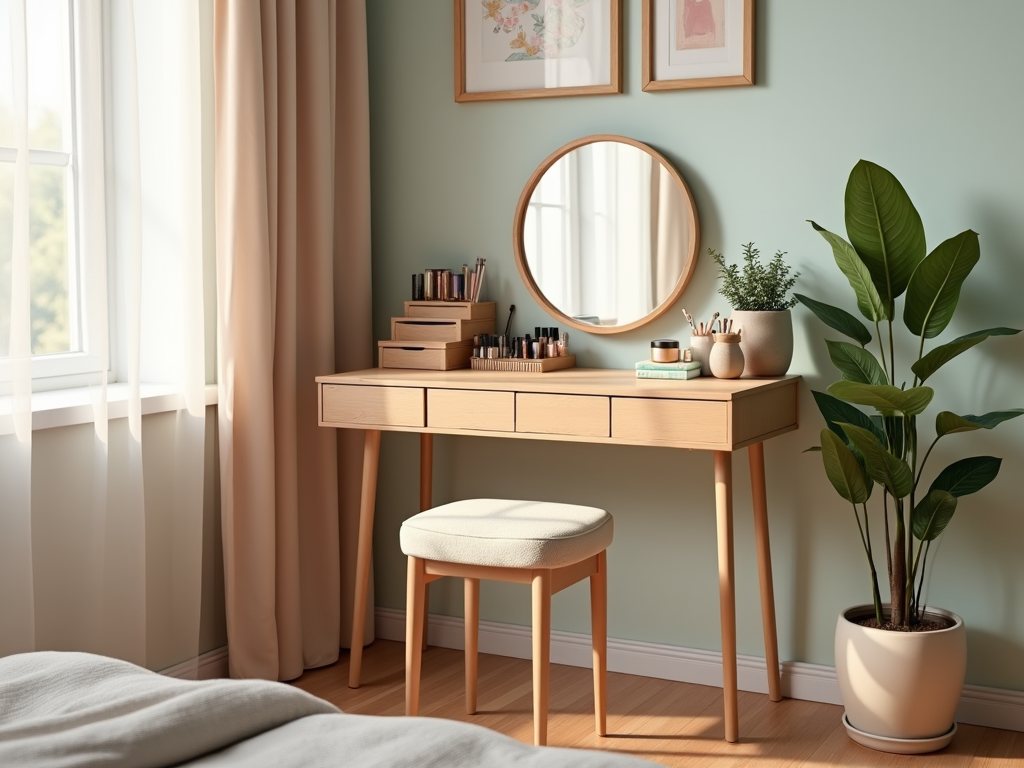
(551, 546)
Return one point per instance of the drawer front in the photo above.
(471, 409)
(584, 415)
(425, 329)
(426, 359)
(372, 406)
(654, 421)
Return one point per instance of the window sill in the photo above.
(67, 407)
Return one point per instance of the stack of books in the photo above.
(645, 369)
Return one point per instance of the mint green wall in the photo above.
(932, 90)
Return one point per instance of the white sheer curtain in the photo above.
(140, 243)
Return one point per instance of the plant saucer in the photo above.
(899, 746)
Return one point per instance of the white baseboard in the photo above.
(207, 666)
(992, 707)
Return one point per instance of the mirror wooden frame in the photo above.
(519, 248)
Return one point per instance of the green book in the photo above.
(647, 365)
(693, 373)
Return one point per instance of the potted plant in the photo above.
(760, 302)
(900, 664)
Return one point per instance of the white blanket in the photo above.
(74, 709)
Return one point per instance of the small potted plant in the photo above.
(900, 664)
(760, 301)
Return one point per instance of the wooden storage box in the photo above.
(454, 310)
(438, 328)
(425, 355)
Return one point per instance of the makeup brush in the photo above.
(508, 325)
(689, 319)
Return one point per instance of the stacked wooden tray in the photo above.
(435, 335)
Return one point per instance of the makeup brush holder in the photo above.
(700, 351)
(726, 357)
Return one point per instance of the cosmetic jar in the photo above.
(664, 351)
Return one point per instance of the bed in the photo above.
(75, 709)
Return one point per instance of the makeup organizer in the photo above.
(547, 350)
(436, 335)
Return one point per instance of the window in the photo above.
(59, 342)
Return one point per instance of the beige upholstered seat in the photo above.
(550, 546)
(507, 534)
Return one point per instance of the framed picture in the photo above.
(697, 43)
(537, 48)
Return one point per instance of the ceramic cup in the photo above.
(700, 350)
(726, 358)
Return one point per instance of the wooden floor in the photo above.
(667, 722)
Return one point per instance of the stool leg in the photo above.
(413, 634)
(599, 632)
(472, 611)
(541, 654)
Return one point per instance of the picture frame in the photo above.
(503, 49)
(697, 44)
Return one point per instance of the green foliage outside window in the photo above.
(48, 246)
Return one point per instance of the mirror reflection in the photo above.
(607, 234)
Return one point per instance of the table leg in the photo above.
(426, 502)
(727, 590)
(364, 552)
(759, 496)
(426, 471)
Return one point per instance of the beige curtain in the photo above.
(293, 293)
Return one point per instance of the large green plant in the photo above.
(885, 258)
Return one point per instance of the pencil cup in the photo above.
(700, 350)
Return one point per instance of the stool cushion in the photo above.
(507, 534)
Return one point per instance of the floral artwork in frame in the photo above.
(536, 48)
(697, 43)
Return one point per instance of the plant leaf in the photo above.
(932, 514)
(934, 288)
(834, 410)
(896, 432)
(855, 363)
(884, 397)
(837, 318)
(868, 301)
(941, 355)
(947, 423)
(884, 228)
(882, 466)
(843, 470)
(967, 476)
(812, 449)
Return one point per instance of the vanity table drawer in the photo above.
(471, 409)
(584, 415)
(372, 406)
(653, 421)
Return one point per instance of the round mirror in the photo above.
(606, 234)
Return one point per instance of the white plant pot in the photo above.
(901, 686)
(767, 341)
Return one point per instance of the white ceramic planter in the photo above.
(767, 341)
(902, 686)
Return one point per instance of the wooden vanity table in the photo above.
(577, 405)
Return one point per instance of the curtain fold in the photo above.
(75, 573)
(17, 632)
(291, 146)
